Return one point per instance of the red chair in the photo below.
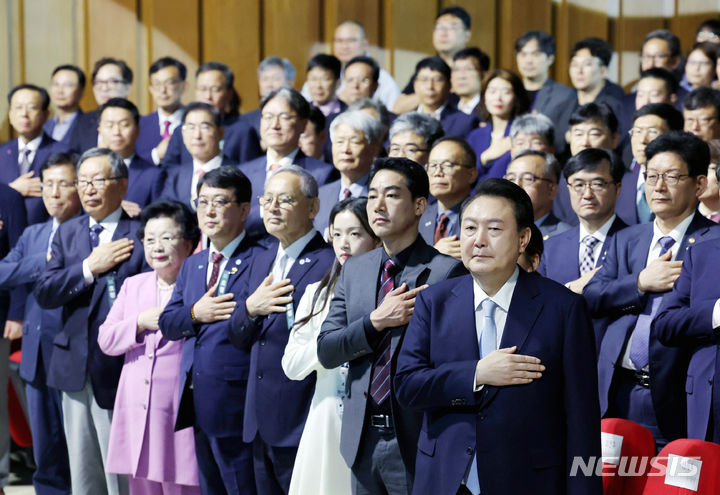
(685, 466)
(19, 426)
(627, 450)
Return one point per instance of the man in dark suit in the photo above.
(167, 85)
(357, 140)
(432, 86)
(284, 117)
(689, 318)
(594, 178)
(452, 174)
(91, 255)
(202, 131)
(412, 135)
(500, 363)
(373, 302)
(118, 129)
(21, 158)
(538, 173)
(701, 110)
(213, 371)
(214, 86)
(589, 61)
(639, 378)
(21, 268)
(276, 408)
(66, 90)
(468, 70)
(535, 54)
(111, 78)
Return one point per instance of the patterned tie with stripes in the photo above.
(380, 384)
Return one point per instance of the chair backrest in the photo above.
(627, 450)
(685, 467)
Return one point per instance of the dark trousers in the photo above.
(379, 468)
(224, 464)
(273, 467)
(52, 476)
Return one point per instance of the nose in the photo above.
(587, 192)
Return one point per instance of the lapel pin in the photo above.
(546, 237)
(304, 260)
(428, 223)
(691, 240)
(234, 270)
(238, 261)
(200, 267)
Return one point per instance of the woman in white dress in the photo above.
(319, 468)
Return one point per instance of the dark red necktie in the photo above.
(346, 193)
(380, 384)
(441, 228)
(217, 259)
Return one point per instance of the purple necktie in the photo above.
(166, 130)
(588, 260)
(380, 384)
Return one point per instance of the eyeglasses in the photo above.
(446, 167)
(346, 41)
(109, 83)
(655, 57)
(165, 240)
(405, 149)
(218, 204)
(169, 84)
(433, 80)
(448, 27)
(284, 117)
(50, 185)
(595, 185)
(98, 184)
(649, 132)
(671, 179)
(702, 122)
(525, 179)
(203, 126)
(211, 89)
(284, 201)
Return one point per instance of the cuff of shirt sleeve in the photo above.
(155, 156)
(87, 274)
(716, 316)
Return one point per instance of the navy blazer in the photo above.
(613, 292)
(555, 100)
(10, 170)
(276, 407)
(328, 196)
(149, 136)
(240, 144)
(685, 320)
(526, 437)
(428, 222)
(49, 125)
(12, 214)
(84, 134)
(255, 170)
(217, 370)
(145, 182)
(342, 339)
(77, 355)
(552, 225)
(456, 122)
(22, 267)
(177, 180)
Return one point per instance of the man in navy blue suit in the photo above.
(91, 255)
(701, 110)
(276, 408)
(119, 130)
(284, 116)
(373, 302)
(167, 85)
(500, 364)
(432, 86)
(66, 90)
(21, 158)
(214, 86)
(214, 373)
(202, 132)
(22, 267)
(452, 174)
(640, 379)
(273, 73)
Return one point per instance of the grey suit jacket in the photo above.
(342, 339)
(557, 101)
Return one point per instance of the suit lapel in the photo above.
(461, 311)
(695, 232)
(639, 252)
(416, 265)
(617, 225)
(184, 182)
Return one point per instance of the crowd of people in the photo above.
(356, 288)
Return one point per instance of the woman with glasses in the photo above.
(319, 468)
(143, 443)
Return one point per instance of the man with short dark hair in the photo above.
(361, 78)
(639, 378)
(481, 358)
(589, 61)
(21, 158)
(213, 371)
(323, 77)
(167, 85)
(67, 86)
(468, 70)
(91, 256)
(313, 138)
(368, 315)
(701, 111)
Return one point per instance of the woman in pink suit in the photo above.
(143, 443)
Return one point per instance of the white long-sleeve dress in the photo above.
(319, 467)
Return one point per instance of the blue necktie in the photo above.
(488, 338)
(95, 235)
(640, 345)
(643, 209)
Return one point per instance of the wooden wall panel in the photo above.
(368, 13)
(412, 25)
(484, 24)
(516, 18)
(47, 38)
(685, 26)
(11, 51)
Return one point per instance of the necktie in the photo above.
(715, 217)
(346, 193)
(441, 227)
(274, 167)
(640, 344)
(587, 262)
(643, 209)
(166, 130)
(488, 338)
(25, 161)
(380, 384)
(217, 259)
(95, 235)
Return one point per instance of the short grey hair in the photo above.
(308, 184)
(378, 106)
(371, 128)
(552, 166)
(421, 124)
(533, 123)
(281, 62)
(117, 164)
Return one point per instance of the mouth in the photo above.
(380, 221)
(345, 256)
(92, 203)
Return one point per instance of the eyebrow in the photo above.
(388, 188)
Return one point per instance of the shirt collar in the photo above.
(601, 233)
(211, 164)
(357, 188)
(174, 117)
(286, 160)
(436, 114)
(294, 249)
(31, 145)
(677, 233)
(502, 298)
(470, 105)
(129, 160)
(230, 248)
(540, 220)
(333, 106)
(112, 218)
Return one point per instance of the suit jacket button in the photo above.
(259, 376)
(262, 341)
(469, 451)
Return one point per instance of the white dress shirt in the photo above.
(109, 224)
(357, 189)
(600, 234)
(292, 252)
(227, 253)
(436, 114)
(468, 107)
(175, 120)
(284, 161)
(31, 145)
(206, 167)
